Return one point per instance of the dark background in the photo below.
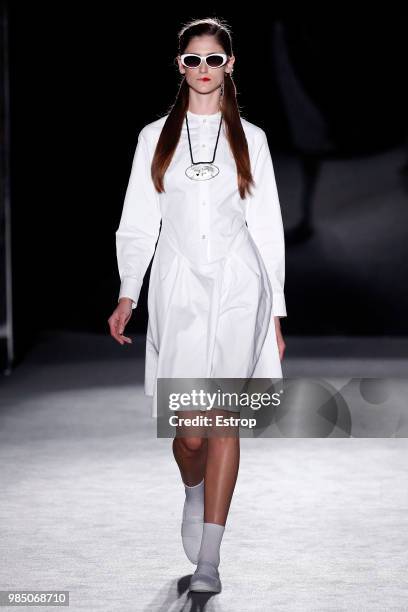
(85, 80)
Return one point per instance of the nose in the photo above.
(203, 68)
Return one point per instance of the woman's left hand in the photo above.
(279, 338)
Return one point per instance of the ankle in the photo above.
(199, 484)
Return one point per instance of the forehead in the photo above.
(203, 45)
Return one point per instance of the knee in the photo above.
(192, 443)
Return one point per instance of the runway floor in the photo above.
(91, 499)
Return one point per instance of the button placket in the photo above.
(205, 209)
(203, 193)
(202, 151)
(203, 141)
(201, 222)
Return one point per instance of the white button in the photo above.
(203, 203)
(203, 236)
(204, 120)
(203, 145)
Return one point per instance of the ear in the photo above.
(180, 65)
(230, 63)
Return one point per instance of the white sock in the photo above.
(210, 543)
(194, 507)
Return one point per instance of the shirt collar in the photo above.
(195, 118)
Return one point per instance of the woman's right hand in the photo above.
(118, 320)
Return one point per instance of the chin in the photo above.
(210, 87)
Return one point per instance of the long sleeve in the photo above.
(264, 220)
(139, 225)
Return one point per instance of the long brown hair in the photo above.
(170, 134)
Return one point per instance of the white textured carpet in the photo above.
(91, 502)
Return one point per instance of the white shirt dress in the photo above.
(217, 277)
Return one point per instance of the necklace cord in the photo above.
(216, 144)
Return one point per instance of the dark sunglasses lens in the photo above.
(191, 61)
(215, 61)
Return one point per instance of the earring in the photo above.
(222, 89)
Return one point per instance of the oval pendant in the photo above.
(202, 171)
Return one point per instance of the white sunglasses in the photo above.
(213, 60)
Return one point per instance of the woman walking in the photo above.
(216, 292)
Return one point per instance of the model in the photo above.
(204, 174)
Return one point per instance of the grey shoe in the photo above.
(191, 534)
(205, 579)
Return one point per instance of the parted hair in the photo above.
(170, 134)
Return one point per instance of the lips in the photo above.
(204, 79)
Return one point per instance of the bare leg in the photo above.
(221, 473)
(216, 459)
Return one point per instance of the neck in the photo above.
(204, 104)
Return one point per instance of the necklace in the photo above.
(202, 171)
